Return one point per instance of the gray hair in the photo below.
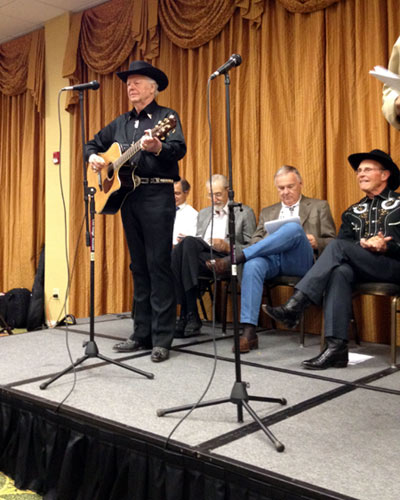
(155, 85)
(288, 169)
(218, 178)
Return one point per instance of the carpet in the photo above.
(9, 492)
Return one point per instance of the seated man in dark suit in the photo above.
(190, 255)
(367, 249)
(289, 250)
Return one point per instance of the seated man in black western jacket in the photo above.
(367, 249)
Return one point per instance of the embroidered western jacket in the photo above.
(369, 216)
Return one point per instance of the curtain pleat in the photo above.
(192, 23)
(22, 159)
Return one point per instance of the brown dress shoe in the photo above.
(248, 341)
(220, 266)
(246, 345)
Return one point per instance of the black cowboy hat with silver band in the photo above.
(146, 69)
(384, 159)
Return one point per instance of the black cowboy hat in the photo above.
(146, 69)
(384, 159)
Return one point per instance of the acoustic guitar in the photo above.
(116, 179)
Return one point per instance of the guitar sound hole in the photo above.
(110, 171)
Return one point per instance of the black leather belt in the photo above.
(155, 180)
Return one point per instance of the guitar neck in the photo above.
(158, 131)
(131, 151)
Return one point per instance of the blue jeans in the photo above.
(286, 251)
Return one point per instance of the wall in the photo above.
(56, 34)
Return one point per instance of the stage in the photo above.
(340, 427)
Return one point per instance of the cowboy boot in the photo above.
(335, 355)
(249, 340)
(290, 313)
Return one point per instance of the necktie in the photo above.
(291, 210)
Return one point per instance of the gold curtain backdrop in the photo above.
(21, 159)
(301, 96)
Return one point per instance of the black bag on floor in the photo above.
(17, 306)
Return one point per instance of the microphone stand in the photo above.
(239, 395)
(91, 350)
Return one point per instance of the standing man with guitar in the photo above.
(148, 211)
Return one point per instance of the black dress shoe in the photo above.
(193, 324)
(130, 346)
(290, 313)
(180, 327)
(159, 354)
(335, 355)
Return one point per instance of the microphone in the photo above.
(94, 85)
(234, 60)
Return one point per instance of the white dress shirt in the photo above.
(220, 227)
(287, 211)
(185, 222)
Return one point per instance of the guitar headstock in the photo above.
(164, 127)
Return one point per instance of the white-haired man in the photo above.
(148, 212)
(190, 256)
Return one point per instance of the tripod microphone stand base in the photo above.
(240, 398)
(92, 351)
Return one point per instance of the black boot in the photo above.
(180, 327)
(193, 324)
(335, 355)
(290, 313)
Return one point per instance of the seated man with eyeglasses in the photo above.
(367, 249)
(190, 255)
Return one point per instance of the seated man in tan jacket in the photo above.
(289, 250)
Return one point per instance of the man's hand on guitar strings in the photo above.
(96, 162)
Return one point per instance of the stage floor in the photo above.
(340, 427)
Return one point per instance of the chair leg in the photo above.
(269, 302)
(393, 330)
(301, 325)
(354, 327)
(203, 309)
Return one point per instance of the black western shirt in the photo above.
(129, 127)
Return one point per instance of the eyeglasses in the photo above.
(367, 170)
(216, 194)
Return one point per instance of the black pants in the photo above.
(188, 262)
(148, 217)
(341, 264)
